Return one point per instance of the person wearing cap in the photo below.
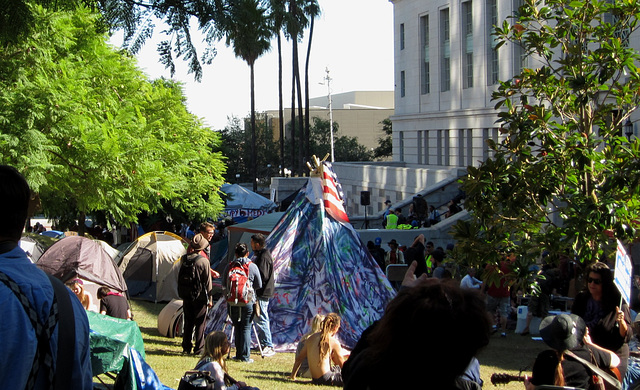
(599, 306)
(195, 310)
(391, 220)
(555, 367)
(394, 256)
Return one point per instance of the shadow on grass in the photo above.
(274, 376)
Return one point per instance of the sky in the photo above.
(352, 38)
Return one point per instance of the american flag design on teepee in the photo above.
(332, 194)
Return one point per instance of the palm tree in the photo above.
(278, 16)
(248, 30)
(311, 9)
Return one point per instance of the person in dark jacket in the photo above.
(195, 310)
(599, 306)
(262, 259)
(566, 334)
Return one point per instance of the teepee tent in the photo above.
(320, 266)
(148, 266)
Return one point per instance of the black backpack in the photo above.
(189, 283)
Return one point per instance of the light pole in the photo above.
(330, 111)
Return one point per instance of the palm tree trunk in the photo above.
(307, 151)
(294, 168)
(254, 163)
(296, 72)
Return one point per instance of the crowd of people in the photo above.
(419, 215)
(597, 334)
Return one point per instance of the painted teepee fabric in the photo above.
(320, 266)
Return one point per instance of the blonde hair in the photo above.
(216, 345)
(83, 296)
(330, 324)
(316, 323)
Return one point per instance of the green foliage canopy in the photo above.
(90, 133)
(564, 178)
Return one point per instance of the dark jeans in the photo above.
(195, 313)
(241, 317)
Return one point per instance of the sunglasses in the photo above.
(592, 280)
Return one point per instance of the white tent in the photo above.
(148, 266)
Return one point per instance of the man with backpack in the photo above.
(194, 288)
(44, 346)
(241, 279)
(264, 262)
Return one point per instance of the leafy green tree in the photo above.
(90, 133)
(345, 148)
(385, 143)
(246, 27)
(565, 178)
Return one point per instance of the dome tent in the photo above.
(149, 266)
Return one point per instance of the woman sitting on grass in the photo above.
(216, 347)
(316, 323)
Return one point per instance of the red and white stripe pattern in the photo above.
(332, 194)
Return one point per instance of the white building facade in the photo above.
(446, 69)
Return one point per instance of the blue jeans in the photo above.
(262, 323)
(241, 317)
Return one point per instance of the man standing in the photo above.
(498, 294)
(387, 204)
(207, 230)
(22, 279)
(241, 313)
(194, 288)
(262, 259)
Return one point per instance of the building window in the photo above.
(467, 35)
(461, 147)
(401, 36)
(419, 145)
(519, 54)
(402, 83)
(445, 58)
(426, 147)
(401, 145)
(424, 44)
(439, 146)
(493, 64)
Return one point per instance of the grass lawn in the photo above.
(503, 355)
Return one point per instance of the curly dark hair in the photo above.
(432, 330)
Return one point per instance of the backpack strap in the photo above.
(43, 355)
(595, 369)
(66, 336)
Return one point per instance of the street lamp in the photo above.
(628, 129)
(330, 110)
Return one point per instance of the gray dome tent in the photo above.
(80, 257)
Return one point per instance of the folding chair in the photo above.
(255, 333)
(395, 272)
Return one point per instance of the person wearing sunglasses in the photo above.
(608, 321)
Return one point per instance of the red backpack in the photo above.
(239, 288)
